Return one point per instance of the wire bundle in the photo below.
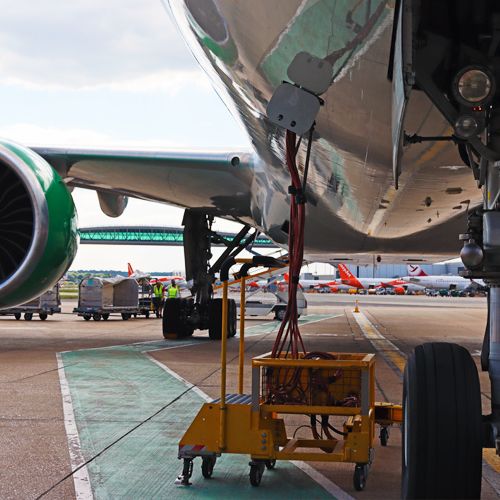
(289, 330)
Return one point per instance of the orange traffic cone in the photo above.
(356, 309)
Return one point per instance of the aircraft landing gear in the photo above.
(181, 316)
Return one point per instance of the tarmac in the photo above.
(95, 410)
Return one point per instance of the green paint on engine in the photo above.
(62, 240)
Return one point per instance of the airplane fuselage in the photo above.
(353, 205)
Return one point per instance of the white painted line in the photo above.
(332, 488)
(198, 391)
(491, 476)
(83, 489)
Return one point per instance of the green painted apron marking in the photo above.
(115, 388)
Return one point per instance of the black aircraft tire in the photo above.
(231, 318)
(442, 433)
(215, 319)
(171, 322)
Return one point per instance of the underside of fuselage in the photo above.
(353, 205)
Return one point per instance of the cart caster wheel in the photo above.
(257, 468)
(359, 479)
(207, 466)
(96, 316)
(17, 316)
(270, 464)
(255, 475)
(28, 316)
(146, 314)
(43, 316)
(105, 316)
(125, 316)
(86, 317)
(384, 436)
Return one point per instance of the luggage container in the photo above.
(46, 304)
(100, 297)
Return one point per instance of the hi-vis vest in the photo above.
(173, 292)
(158, 290)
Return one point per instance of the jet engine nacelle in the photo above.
(399, 290)
(38, 225)
(334, 289)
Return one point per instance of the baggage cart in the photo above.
(100, 297)
(319, 386)
(45, 305)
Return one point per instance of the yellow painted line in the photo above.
(393, 356)
(492, 458)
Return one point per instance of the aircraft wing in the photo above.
(216, 181)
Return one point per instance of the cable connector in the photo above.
(292, 189)
(294, 280)
(300, 197)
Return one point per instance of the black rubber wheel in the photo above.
(280, 314)
(96, 317)
(125, 316)
(42, 316)
(171, 322)
(255, 475)
(105, 316)
(28, 316)
(207, 466)
(135, 315)
(270, 464)
(359, 479)
(215, 319)
(17, 316)
(442, 433)
(231, 318)
(175, 317)
(146, 313)
(87, 317)
(384, 436)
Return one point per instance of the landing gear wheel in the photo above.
(96, 317)
(231, 318)
(125, 316)
(441, 401)
(256, 472)
(87, 317)
(280, 314)
(215, 319)
(17, 316)
(384, 436)
(207, 466)
(175, 318)
(359, 479)
(105, 316)
(43, 316)
(270, 464)
(28, 316)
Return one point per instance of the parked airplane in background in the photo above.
(334, 285)
(397, 284)
(446, 282)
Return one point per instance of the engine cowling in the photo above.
(38, 225)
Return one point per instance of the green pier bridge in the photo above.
(149, 235)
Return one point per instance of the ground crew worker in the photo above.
(158, 292)
(173, 290)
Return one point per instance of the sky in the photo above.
(114, 73)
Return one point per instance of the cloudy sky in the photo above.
(108, 73)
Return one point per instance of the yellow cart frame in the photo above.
(249, 424)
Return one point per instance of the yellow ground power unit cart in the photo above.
(317, 386)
